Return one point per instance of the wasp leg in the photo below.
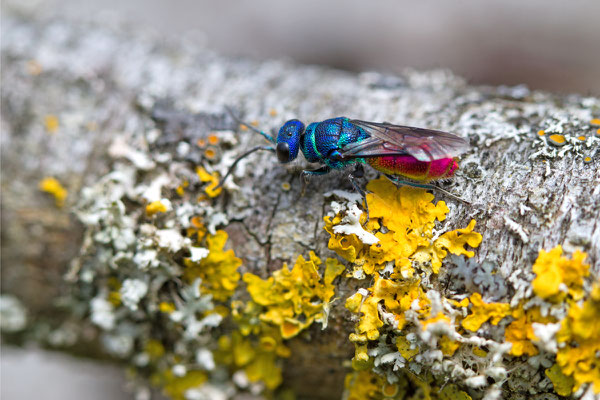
(359, 172)
(306, 173)
(425, 186)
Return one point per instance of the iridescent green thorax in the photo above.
(321, 139)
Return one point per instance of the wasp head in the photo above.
(288, 140)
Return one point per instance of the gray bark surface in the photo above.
(110, 85)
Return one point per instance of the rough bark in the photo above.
(125, 99)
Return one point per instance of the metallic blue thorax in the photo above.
(321, 139)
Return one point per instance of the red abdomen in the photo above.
(412, 168)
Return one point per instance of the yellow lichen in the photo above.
(482, 312)
(580, 335)
(361, 360)
(462, 304)
(211, 190)
(294, 299)
(51, 123)
(367, 385)
(435, 319)
(155, 207)
(114, 298)
(408, 216)
(53, 186)
(218, 270)
(354, 302)
(245, 315)
(396, 297)
(403, 219)
(197, 230)
(448, 346)
(479, 352)
(362, 385)
(452, 392)
(557, 140)
(176, 386)
(257, 356)
(210, 153)
(213, 139)
(264, 365)
(166, 307)
(563, 384)
(181, 188)
(558, 276)
(280, 307)
(346, 247)
(154, 349)
(454, 241)
(405, 348)
(520, 331)
(404, 207)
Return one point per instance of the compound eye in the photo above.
(283, 152)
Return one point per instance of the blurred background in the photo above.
(548, 45)
(551, 45)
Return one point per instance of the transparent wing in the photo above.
(388, 139)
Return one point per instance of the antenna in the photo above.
(240, 122)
